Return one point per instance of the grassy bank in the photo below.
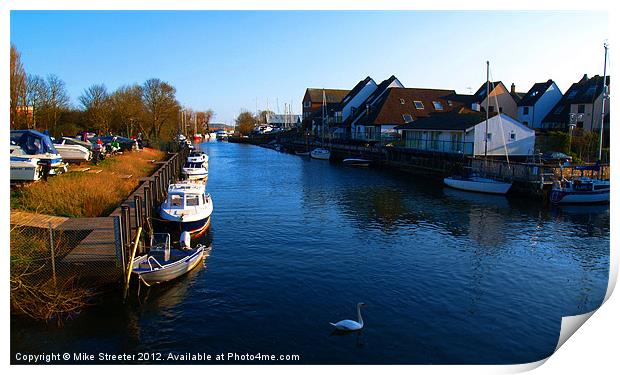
(84, 194)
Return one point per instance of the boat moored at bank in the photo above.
(187, 207)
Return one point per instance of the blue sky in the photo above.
(226, 60)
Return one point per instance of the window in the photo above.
(572, 94)
(402, 101)
(489, 137)
(579, 124)
(591, 90)
(525, 123)
(501, 110)
(534, 93)
(192, 200)
(513, 136)
(438, 106)
(526, 110)
(418, 104)
(491, 109)
(450, 103)
(581, 108)
(176, 201)
(307, 104)
(407, 117)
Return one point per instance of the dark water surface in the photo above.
(448, 276)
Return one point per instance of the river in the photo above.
(448, 277)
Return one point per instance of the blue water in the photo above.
(448, 276)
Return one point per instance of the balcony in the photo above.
(448, 147)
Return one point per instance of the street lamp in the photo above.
(574, 118)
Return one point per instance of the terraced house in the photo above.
(581, 106)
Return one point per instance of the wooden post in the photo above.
(127, 227)
(52, 254)
(130, 268)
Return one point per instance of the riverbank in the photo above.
(88, 190)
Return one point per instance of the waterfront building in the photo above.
(399, 106)
(313, 99)
(463, 132)
(352, 126)
(580, 106)
(498, 97)
(282, 121)
(537, 103)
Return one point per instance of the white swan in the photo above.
(351, 325)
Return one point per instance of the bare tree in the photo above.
(128, 110)
(56, 100)
(97, 104)
(161, 106)
(35, 96)
(17, 89)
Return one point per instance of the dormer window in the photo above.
(402, 101)
(307, 104)
(438, 106)
(591, 90)
(450, 103)
(418, 104)
(571, 94)
(407, 117)
(534, 93)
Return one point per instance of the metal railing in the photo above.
(450, 147)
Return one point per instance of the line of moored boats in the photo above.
(187, 208)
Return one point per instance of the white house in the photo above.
(537, 103)
(464, 133)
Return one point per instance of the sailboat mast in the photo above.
(600, 141)
(323, 119)
(486, 122)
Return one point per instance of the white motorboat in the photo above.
(72, 152)
(320, 153)
(356, 162)
(31, 144)
(188, 207)
(25, 169)
(212, 135)
(163, 263)
(478, 184)
(197, 156)
(581, 190)
(221, 134)
(195, 171)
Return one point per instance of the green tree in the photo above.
(245, 122)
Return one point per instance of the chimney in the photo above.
(512, 88)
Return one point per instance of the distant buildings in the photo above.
(445, 121)
(537, 103)
(581, 106)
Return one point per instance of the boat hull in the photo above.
(595, 197)
(356, 162)
(320, 154)
(25, 171)
(478, 185)
(169, 271)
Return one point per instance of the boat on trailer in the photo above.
(25, 169)
(27, 145)
(72, 152)
(188, 207)
(163, 263)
